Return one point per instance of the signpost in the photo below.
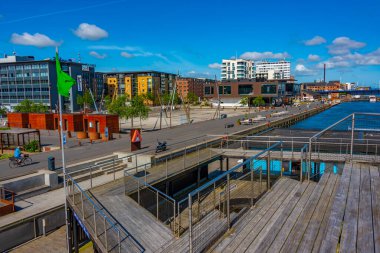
(136, 139)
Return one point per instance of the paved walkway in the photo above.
(174, 135)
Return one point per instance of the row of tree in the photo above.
(30, 106)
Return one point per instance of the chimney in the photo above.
(324, 73)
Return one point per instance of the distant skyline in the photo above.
(193, 37)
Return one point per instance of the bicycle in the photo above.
(18, 162)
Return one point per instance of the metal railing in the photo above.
(212, 207)
(101, 225)
(161, 205)
(362, 139)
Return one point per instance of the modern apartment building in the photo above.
(236, 69)
(133, 83)
(23, 77)
(194, 85)
(267, 70)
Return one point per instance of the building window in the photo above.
(225, 90)
(268, 89)
(209, 90)
(246, 89)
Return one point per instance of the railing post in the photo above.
(145, 173)
(252, 182)
(93, 210)
(81, 196)
(199, 208)
(174, 218)
(157, 204)
(198, 156)
(268, 171)
(113, 169)
(301, 169)
(352, 134)
(166, 167)
(261, 177)
(228, 201)
(184, 160)
(105, 232)
(190, 226)
(119, 242)
(90, 177)
(282, 157)
(214, 193)
(138, 191)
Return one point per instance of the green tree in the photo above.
(244, 101)
(27, 106)
(3, 111)
(85, 100)
(118, 107)
(192, 98)
(138, 108)
(258, 101)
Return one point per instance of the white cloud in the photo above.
(37, 40)
(302, 70)
(127, 55)
(97, 55)
(113, 47)
(264, 55)
(352, 60)
(317, 40)
(313, 57)
(344, 45)
(90, 32)
(192, 72)
(215, 65)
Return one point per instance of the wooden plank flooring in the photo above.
(340, 213)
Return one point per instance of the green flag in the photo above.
(64, 81)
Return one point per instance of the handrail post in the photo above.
(166, 167)
(190, 226)
(157, 203)
(282, 157)
(119, 242)
(93, 209)
(105, 232)
(90, 177)
(228, 201)
(138, 191)
(113, 168)
(268, 171)
(352, 135)
(81, 196)
(252, 186)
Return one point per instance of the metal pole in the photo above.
(268, 171)
(138, 191)
(352, 134)
(81, 197)
(252, 186)
(93, 209)
(282, 157)
(90, 177)
(113, 168)
(198, 209)
(157, 204)
(190, 226)
(166, 167)
(105, 232)
(228, 201)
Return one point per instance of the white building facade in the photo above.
(237, 69)
(272, 70)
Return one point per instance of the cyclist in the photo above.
(17, 153)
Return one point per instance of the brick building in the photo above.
(322, 86)
(194, 85)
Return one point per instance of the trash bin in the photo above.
(51, 163)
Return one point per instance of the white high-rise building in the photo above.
(237, 69)
(272, 70)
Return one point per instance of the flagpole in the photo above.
(64, 171)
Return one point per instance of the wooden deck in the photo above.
(337, 214)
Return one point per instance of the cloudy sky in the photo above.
(192, 37)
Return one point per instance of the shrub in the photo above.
(31, 146)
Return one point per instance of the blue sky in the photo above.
(192, 37)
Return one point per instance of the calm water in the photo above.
(329, 117)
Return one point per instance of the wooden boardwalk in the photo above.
(340, 213)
